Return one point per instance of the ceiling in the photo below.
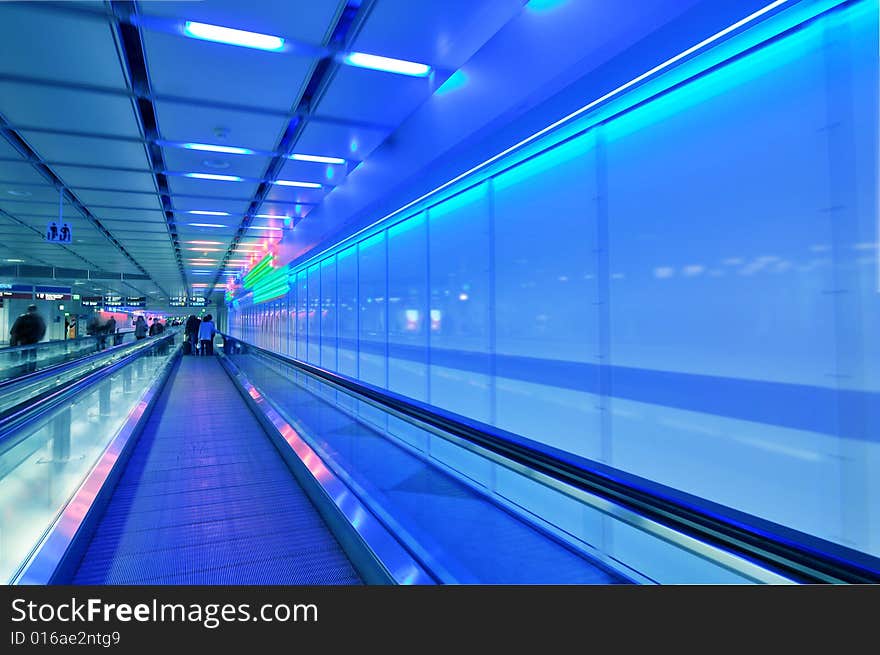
(98, 98)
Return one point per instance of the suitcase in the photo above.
(187, 347)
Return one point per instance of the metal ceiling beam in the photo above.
(21, 146)
(347, 24)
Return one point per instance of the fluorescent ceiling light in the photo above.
(318, 158)
(206, 225)
(206, 249)
(266, 227)
(202, 212)
(232, 36)
(271, 216)
(387, 64)
(201, 272)
(207, 243)
(202, 261)
(304, 185)
(213, 176)
(199, 284)
(17, 261)
(212, 148)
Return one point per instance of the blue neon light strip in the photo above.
(805, 14)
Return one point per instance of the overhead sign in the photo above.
(91, 301)
(18, 291)
(177, 301)
(52, 293)
(113, 301)
(196, 301)
(136, 301)
(59, 232)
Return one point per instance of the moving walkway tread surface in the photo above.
(475, 539)
(206, 499)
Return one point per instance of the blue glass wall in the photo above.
(686, 289)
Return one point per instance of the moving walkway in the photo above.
(251, 467)
(16, 361)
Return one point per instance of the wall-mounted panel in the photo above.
(408, 308)
(459, 237)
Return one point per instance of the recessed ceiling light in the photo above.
(207, 243)
(387, 64)
(211, 176)
(232, 36)
(17, 261)
(304, 185)
(206, 225)
(202, 212)
(206, 249)
(19, 194)
(317, 158)
(209, 147)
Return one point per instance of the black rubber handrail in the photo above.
(55, 342)
(62, 367)
(12, 423)
(793, 553)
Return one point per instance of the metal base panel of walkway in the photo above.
(206, 499)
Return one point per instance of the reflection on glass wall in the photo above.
(688, 291)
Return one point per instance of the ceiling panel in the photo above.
(183, 160)
(280, 210)
(117, 199)
(218, 189)
(39, 197)
(48, 208)
(236, 208)
(295, 194)
(214, 71)
(15, 171)
(188, 123)
(83, 150)
(186, 229)
(373, 96)
(303, 20)
(134, 217)
(65, 109)
(305, 171)
(6, 150)
(442, 34)
(73, 49)
(75, 176)
(334, 140)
